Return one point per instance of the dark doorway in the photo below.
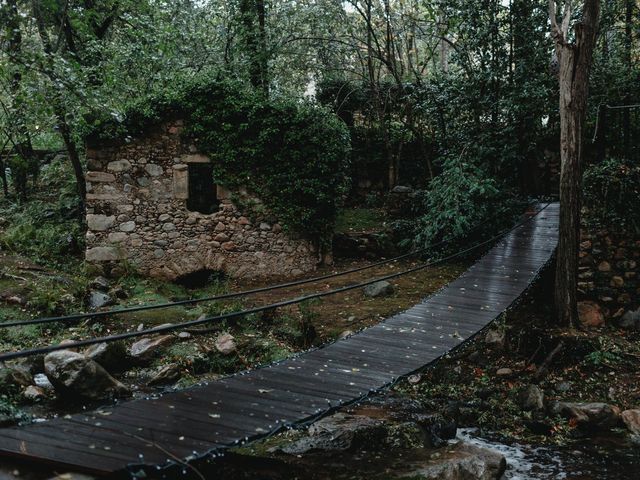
(202, 191)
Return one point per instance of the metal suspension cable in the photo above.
(225, 296)
(284, 303)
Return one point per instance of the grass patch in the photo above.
(360, 220)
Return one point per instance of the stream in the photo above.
(599, 458)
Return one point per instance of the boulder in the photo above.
(74, 375)
(226, 344)
(378, 289)
(460, 462)
(98, 300)
(339, 432)
(113, 356)
(147, 348)
(167, 374)
(531, 398)
(631, 419)
(591, 416)
(590, 314)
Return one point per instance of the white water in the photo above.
(524, 462)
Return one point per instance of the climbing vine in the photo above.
(293, 156)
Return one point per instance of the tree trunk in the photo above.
(74, 158)
(575, 63)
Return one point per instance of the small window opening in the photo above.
(202, 190)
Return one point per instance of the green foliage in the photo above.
(457, 201)
(293, 156)
(612, 194)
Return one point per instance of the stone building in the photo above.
(152, 203)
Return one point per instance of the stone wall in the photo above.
(137, 212)
(608, 271)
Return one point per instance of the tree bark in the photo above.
(574, 60)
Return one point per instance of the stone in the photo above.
(229, 246)
(13, 379)
(265, 227)
(99, 223)
(590, 314)
(119, 166)
(41, 380)
(616, 282)
(184, 335)
(378, 289)
(221, 237)
(631, 419)
(147, 348)
(591, 416)
(495, 338)
(504, 372)
(33, 393)
(164, 217)
(100, 177)
(630, 320)
(563, 387)
(113, 356)
(98, 300)
(604, 266)
(102, 254)
(128, 226)
(153, 169)
(100, 283)
(74, 375)
(168, 374)
(117, 237)
(143, 181)
(462, 462)
(168, 227)
(531, 398)
(226, 344)
(345, 334)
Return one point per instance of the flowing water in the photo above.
(593, 459)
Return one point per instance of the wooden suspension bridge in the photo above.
(199, 422)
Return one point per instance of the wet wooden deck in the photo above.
(192, 423)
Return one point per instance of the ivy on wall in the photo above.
(292, 155)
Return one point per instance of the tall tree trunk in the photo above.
(74, 156)
(574, 60)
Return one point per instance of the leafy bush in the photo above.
(461, 200)
(46, 229)
(294, 156)
(612, 194)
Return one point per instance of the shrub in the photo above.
(462, 200)
(612, 194)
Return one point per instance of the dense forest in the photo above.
(289, 137)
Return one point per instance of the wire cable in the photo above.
(242, 313)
